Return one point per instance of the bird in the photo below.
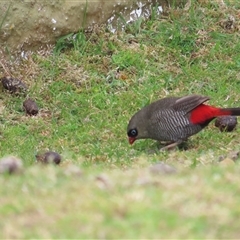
(174, 119)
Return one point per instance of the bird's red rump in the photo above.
(204, 112)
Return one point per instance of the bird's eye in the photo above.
(132, 133)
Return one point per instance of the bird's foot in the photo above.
(171, 146)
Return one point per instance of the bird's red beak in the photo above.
(131, 140)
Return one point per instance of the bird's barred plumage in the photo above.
(171, 129)
(174, 119)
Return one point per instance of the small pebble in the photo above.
(103, 181)
(162, 168)
(226, 162)
(220, 158)
(234, 155)
(30, 107)
(10, 164)
(226, 123)
(13, 85)
(49, 157)
(73, 170)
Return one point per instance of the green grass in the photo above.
(130, 204)
(87, 91)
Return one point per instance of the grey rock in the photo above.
(103, 181)
(33, 24)
(162, 168)
(234, 155)
(11, 164)
(72, 169)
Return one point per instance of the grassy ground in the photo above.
(87, 91)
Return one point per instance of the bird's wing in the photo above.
(188, 103)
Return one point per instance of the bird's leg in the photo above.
(171, 146)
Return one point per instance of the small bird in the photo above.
(174, 119)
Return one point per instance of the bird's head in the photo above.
(137, 127)
(132, 135)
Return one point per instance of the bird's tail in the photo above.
(229, 111)
(205, 113)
